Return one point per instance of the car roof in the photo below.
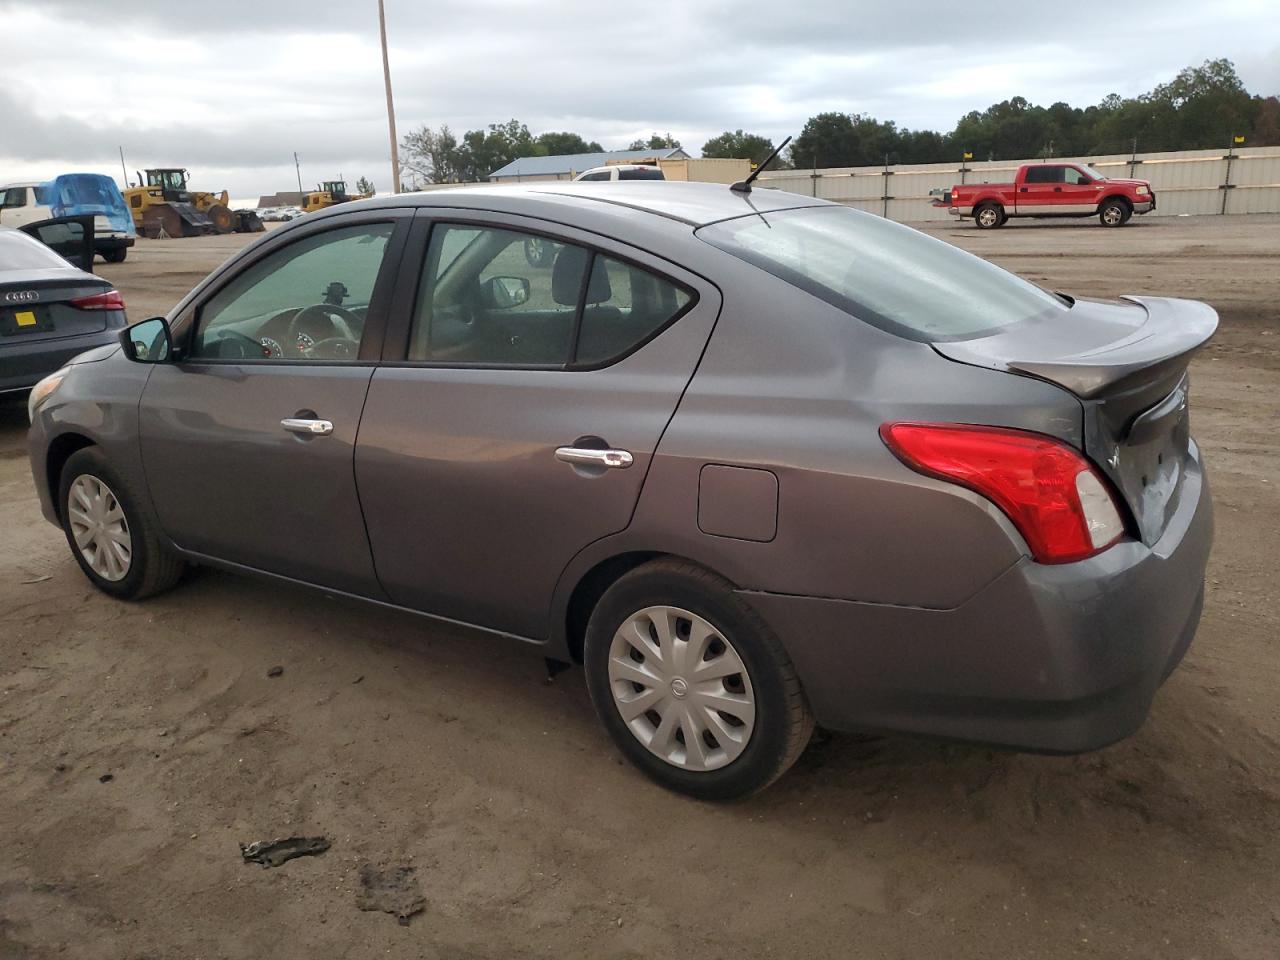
(696, 204)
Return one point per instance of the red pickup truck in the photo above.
(1052, 190)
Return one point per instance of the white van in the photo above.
(70, 195)
(623, 171)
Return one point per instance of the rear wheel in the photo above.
(115, 256)
(114, 542)
(1114, 213)
(989, 216)
(692, 685)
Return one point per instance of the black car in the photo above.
(49, 311)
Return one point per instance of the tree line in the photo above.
(1202, 107)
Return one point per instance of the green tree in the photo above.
(738, 145)
(656, 141)
(560, 144)
(365, 185)
(434, 155)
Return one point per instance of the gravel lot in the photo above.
(409, 744)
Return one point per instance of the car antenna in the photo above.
(744, 186)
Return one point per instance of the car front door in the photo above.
(248, 437)
(515, 416)
(1080, 191)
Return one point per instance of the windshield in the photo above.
(1093, 171)
(891, 276)
(640, 173)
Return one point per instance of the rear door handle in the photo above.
(591, 457)
(308, 428)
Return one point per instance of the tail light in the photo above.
(108, 300)
(1053, 495)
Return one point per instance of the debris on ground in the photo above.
(392, 890)
(272, 853)
(106, 778)
(275, 671)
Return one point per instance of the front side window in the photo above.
(599, 175)
(1077, 178)
(888, 275)
(308, 301)
(497, 297)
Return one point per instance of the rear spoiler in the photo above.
(1164, 343)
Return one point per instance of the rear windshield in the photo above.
(891, 276)
(642, 173)
(21, 252)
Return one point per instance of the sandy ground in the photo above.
(408, 744)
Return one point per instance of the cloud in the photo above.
(232, 90)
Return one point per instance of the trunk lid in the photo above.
(39, 309)
(1126, 361)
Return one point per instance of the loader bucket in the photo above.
(247, 221)
(175, 220)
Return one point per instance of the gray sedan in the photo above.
(756, 461)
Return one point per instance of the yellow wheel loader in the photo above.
(329, 193)
(166, 207)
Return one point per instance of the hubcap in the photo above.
(681, 688)
(1111, 215)
(99, 528)
(988, 217)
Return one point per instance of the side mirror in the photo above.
(148, 341)
(500, 293)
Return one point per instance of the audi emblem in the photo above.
(22, 296)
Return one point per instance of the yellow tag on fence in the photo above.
(25, 318)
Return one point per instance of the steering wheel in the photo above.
(339, 319)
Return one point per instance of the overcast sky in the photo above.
(231, 88)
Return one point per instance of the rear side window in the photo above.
(641, 173)
(893, 277)
(13, 197)
(1043, 175)
(602, 175)
(496, 297)
(625, 306)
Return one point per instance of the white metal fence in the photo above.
(1185, 182)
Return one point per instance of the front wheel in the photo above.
(114, 542)
(1114, 213)
(989, 216)
(692, 685)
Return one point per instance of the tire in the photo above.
(150, 566)
(537, 252)
(115, 256)
(763, 695)
(989, 216)
(1114, 213)
(223, 220)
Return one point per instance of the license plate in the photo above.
(17, 322)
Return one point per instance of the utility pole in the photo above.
(391, 110)
(123, 170)
(298, 170)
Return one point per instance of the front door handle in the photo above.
(591, 457)
(308, 428)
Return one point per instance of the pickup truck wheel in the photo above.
(989, 216)
(1114, 213)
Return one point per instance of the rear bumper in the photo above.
(22, 365)
(119, 242)
(1060, 658)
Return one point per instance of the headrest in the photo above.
(566, 278)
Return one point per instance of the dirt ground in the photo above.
(405, 743)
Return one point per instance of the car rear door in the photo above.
(248, 438)
(1041, 189)
(498, 442)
